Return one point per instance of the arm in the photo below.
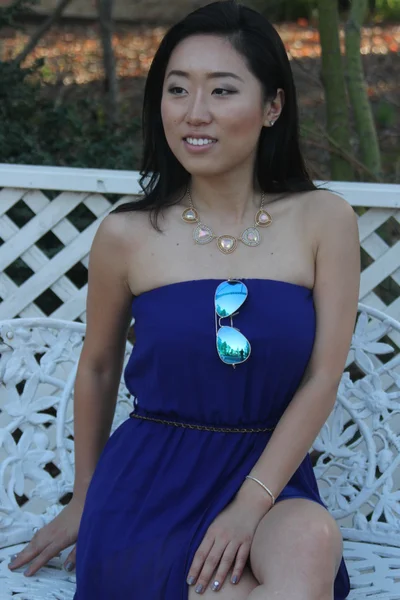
(336, 291)
(99, 370)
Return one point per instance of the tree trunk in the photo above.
(41, 30)
(335, 88)
(364, 120)
(104, 9)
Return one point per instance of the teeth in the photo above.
(199, 141)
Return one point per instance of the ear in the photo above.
(274, 108)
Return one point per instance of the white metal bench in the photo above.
(358, 449)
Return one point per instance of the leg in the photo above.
(228, 591)
(296, 552)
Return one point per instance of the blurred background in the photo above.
(72, 75)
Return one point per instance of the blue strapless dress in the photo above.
(158, 487)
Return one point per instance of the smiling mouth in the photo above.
(199, 141)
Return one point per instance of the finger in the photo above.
(210, 565)
(240, 562)
(70, 562)
(226, 562)
(31, 550)
(42, 559)
(199, 558)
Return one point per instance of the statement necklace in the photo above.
(203, 234)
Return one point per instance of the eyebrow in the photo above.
(211, 75)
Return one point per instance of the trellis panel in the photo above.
(85, 188)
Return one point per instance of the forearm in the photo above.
(290, 442)
(95, 395)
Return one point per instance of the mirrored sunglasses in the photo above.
(232, 346)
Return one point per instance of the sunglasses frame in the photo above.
(219, 326)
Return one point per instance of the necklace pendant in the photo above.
(190, 215)
(203, 234)
(251, 237)
(226, 243)
(262, 218)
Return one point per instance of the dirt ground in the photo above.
(74, 67)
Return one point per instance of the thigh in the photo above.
(228, 591)
(297, 538)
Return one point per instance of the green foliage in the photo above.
(388, 9)
(35, 130)
(385, 114)
(287, 10)
(8, 14)
(283, 10)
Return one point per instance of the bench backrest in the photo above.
(357, 453)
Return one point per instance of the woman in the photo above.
(241, 340)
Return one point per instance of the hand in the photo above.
(51, 539)
(228, 541)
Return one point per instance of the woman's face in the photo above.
(212, 106)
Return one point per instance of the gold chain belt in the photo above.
(205, 427)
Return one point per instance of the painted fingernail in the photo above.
(215, 586)
(234, 579)
(190, 580)
(199, 588)
(69, 566)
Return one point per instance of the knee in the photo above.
(321, 541)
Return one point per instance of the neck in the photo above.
(228, 198)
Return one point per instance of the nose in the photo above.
(198, 111)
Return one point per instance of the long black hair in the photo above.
(279, 166)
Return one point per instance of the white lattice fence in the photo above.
(50, 204)
(78, 199)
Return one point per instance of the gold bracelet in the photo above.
(264, 486)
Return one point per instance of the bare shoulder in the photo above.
(116, 227)
(334, 224)
(112, 230)
(329, 213)
(120, 232)
(109, 298)
(325, 205)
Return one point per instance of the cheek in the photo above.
(169, 120)
(166, 115)
(244, 123)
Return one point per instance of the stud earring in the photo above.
(271, 123)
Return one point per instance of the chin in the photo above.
(205, 171)
(205, 168)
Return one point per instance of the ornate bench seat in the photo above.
(356, 455)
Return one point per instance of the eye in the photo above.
(176, 90)
(223, 92)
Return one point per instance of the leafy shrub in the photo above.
(35, 130)
(286, 10)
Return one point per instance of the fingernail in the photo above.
(12, 560)
(199, 588)
(27, 572)
(215, 586)
(69, 566)
(234, 579)
(190, 580)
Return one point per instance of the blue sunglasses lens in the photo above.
(229, 297)
(233, 348)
